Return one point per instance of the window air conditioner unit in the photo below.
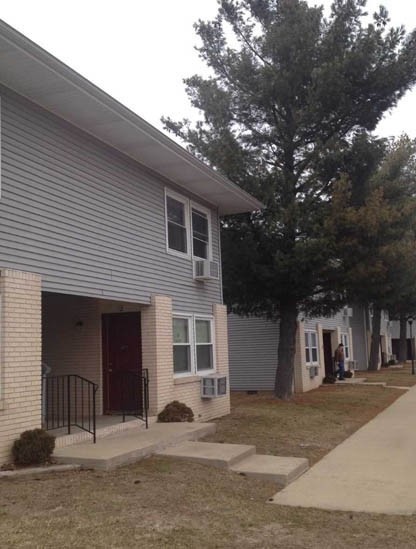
(352, 365)
(206, 270)
(213, 386)
(313, 371)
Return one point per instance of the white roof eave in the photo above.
(32, 72)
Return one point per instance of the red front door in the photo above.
(122, 361)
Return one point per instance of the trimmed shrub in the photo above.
(34, 447)
(329, 379)
(348, 374)
(176, 412)
(391, 362)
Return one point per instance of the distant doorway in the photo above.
(328, 354)
(122, 361)
(395, 346)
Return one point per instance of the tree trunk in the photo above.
(286, 353)
(375, 339)
(403, 339)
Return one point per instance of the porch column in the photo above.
(20, 356)
(157, 351)
(300, 359)
(221, 353)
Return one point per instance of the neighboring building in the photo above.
(109, 248)
(395, 341)
(361, 323)
(253, 345)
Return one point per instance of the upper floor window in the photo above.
(177, 224)
(188, 227)
(200, 233)
(311, 347)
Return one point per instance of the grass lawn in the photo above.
(159, 503)
(401, 377)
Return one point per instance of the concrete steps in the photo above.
(240, 458)
(282, 470)
(211, 453)
(179, 441)
(131, 445)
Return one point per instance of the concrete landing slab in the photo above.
(351, 381)
(282, 470)
(131, 446)
(210, 453)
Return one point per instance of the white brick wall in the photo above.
(303, 381)
(188, 390)
(68, 348)
(20, 356)
(158, 358)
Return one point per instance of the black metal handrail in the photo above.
(134, 391)
(69, 401)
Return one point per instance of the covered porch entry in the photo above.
(330, 339)
(91, 362)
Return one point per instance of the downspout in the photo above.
(220, 255)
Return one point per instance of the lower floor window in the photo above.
(346, 343)
(311, 347)
(181, 346)
(193, 347)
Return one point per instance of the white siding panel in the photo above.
(328, 323)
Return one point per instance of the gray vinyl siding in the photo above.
(253, 344)
(88, 219)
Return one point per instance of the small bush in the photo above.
(391, 362)
(329, 379)
(176, 411)
(348, 374)
(33, 447)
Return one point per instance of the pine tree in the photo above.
(288, 89)
(374, 230)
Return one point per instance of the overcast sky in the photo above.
(139, 51)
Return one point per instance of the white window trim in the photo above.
(312, 363)
(207, 212)
(211, 321)
(345, 340)
(192, 339)
(185, 202)
(189, 318)
(189, 204)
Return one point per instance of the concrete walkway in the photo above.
(372, 471)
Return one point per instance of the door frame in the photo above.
(328, 356)
(105, 339)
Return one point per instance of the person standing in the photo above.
(340, 361)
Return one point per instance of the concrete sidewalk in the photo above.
(372, 471)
